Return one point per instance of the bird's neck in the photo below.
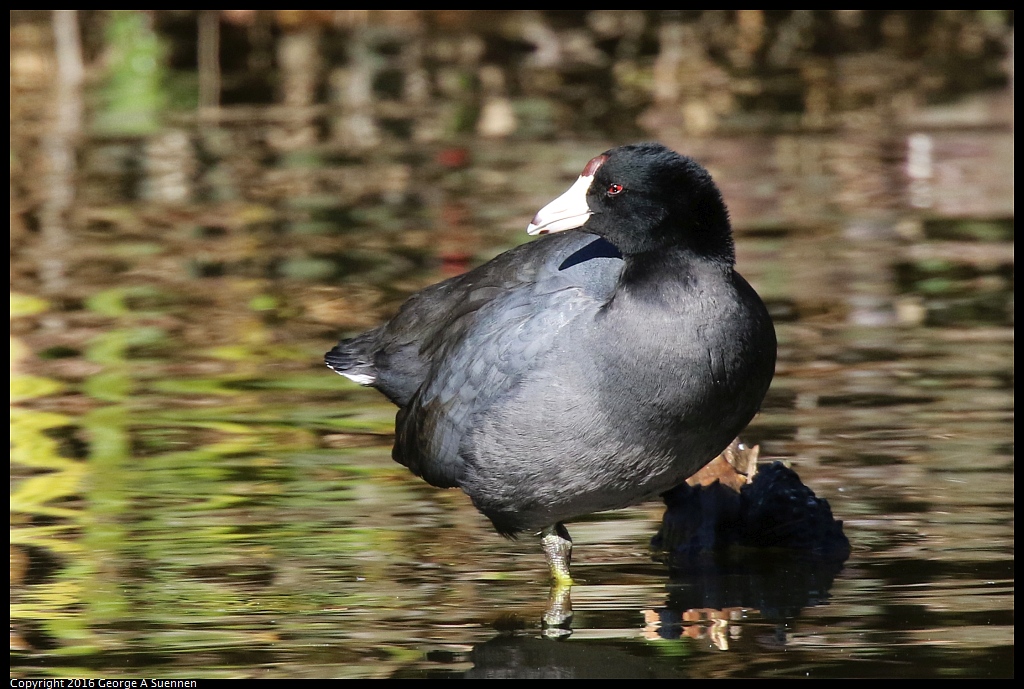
(660, 275)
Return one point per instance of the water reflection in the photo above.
(192, 493)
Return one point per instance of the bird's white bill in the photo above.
(568, 211)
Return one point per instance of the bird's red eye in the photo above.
(614, 189)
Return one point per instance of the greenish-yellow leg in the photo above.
(558, 548)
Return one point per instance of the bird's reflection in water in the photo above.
(557, 621)
(507, 657)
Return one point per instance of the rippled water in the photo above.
(194, 495)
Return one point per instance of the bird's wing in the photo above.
(397, 358)
(510, 336)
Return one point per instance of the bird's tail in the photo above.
(352, 359)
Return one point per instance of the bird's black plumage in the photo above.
(587, 370)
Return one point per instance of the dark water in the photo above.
(194, 495)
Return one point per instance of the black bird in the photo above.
(584, 371)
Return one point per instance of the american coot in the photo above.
(584, 371)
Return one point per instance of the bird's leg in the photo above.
(557, 546)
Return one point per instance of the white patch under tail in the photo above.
(361, 378)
